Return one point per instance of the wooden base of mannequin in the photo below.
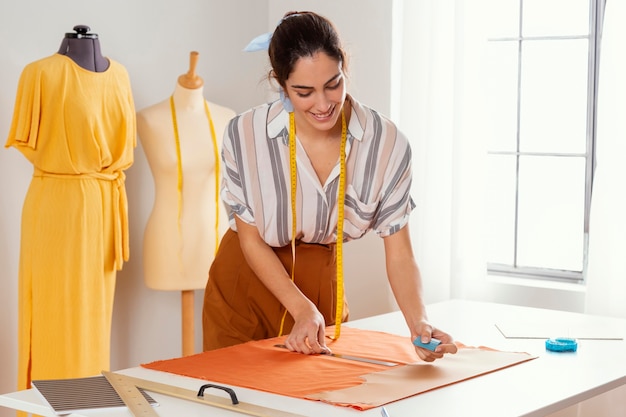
(188, 320)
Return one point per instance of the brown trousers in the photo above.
(239, 308)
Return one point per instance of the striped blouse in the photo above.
(256, 178)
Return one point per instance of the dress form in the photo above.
(77, 128)
(180, 241)
(84, 49)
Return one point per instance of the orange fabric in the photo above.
(262, 366)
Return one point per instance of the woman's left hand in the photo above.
(447, 344)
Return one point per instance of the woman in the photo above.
(253, 292)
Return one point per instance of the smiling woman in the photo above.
(301, 176)
(317, 108)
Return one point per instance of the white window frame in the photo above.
(594, 37)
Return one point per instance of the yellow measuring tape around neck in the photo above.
(340, 215)
(179, 162)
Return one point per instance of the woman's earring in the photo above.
(286, 102)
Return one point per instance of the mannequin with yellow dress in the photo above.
(74, 120)
(180, 137)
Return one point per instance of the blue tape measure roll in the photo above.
(562, 344)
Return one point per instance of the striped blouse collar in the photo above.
(278, 120)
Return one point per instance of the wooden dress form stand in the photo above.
(177, 255)
(191, 81)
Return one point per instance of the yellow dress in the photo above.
(77, 128)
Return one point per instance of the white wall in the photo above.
(152, 39)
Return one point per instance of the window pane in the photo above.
(500, 203)
(554, 96)
(502, 95)
(551, 212)
(555, 17)
(503, 18)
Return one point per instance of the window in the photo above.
(542, 60)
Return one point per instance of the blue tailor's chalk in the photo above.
(430, 345)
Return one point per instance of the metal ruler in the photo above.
(127, 388)
(353, 358)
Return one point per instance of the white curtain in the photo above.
(438, 83)
(437, 97)
(437, 103)
(606, 278)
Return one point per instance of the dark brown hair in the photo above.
(302, 34)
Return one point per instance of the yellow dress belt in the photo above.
(120, 207)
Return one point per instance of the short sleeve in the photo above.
(233, 183)
(24, 129)
(396, 203)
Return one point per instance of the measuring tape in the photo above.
(340, 215)
(127, 387)
(562, 344)
(179, 166)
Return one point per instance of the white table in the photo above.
(538, 387)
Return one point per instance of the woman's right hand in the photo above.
(308, 334)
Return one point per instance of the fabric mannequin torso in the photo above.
(179, 247)
(84, 49)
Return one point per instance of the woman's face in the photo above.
(317, 90)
